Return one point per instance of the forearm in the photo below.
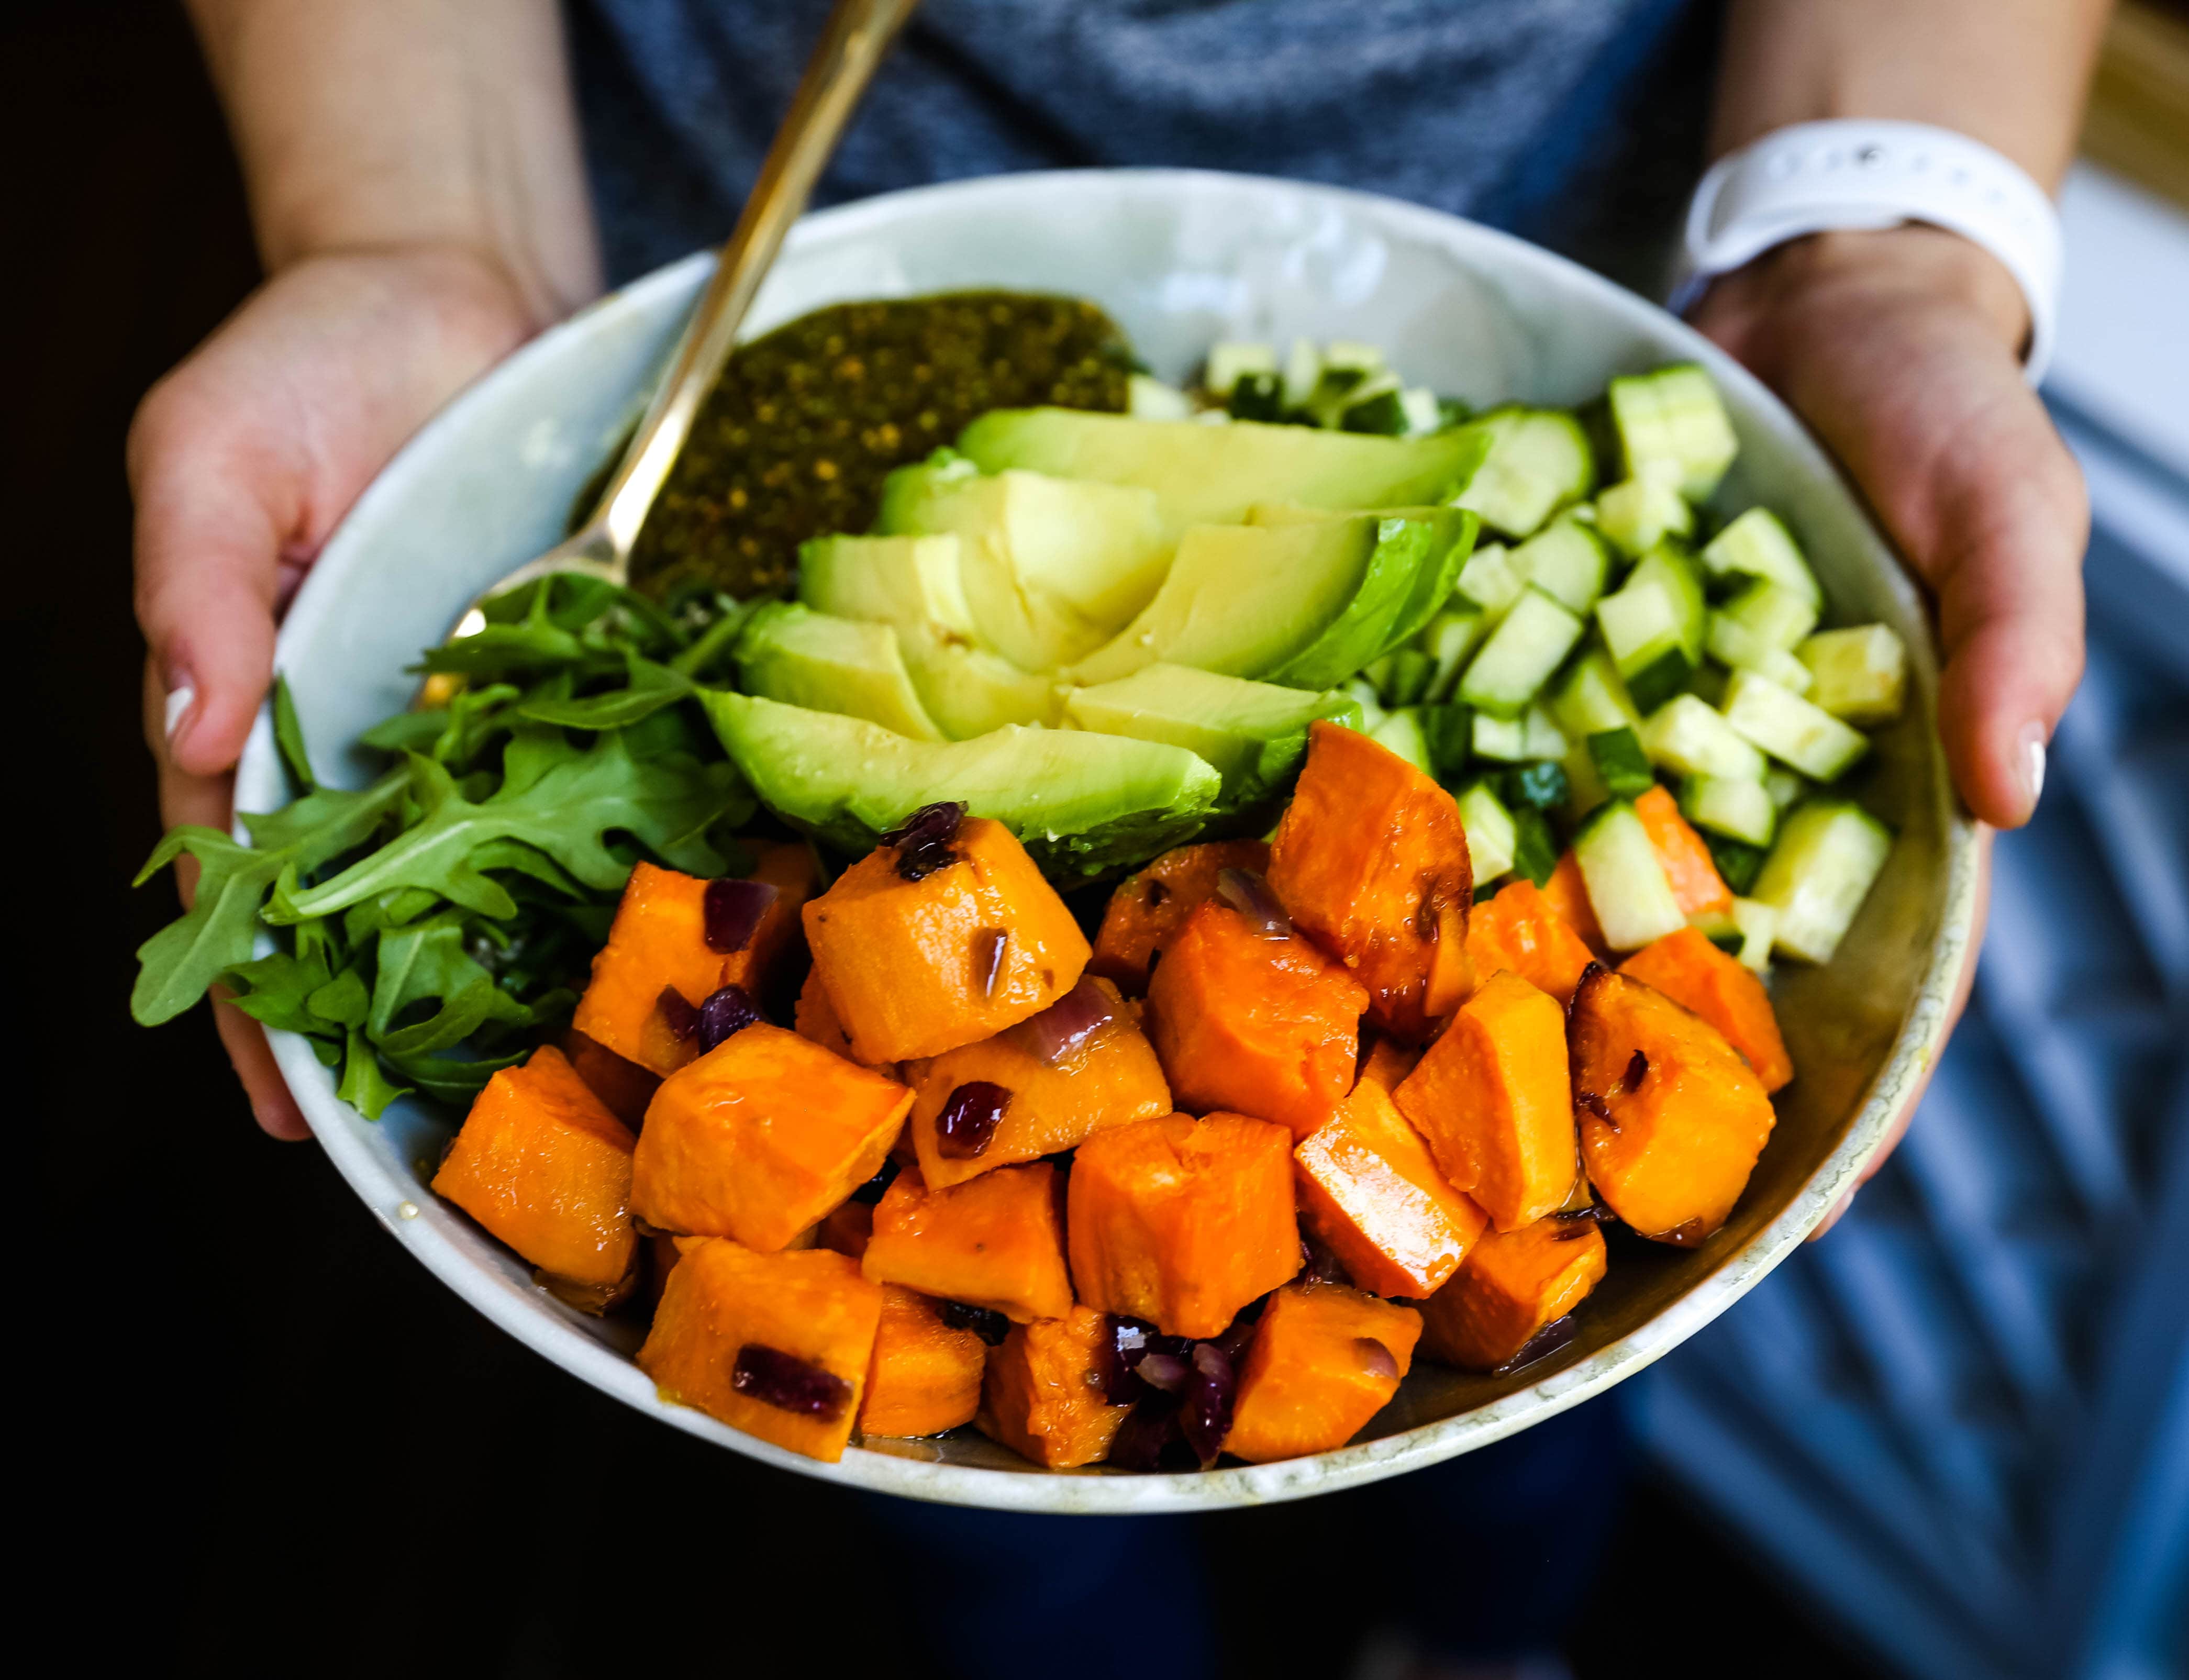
(386, 125)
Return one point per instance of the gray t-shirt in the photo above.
(1576, 122)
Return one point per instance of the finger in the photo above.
(252, 1058)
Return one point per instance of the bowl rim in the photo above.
(515, 1307)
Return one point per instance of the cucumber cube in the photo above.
(1504, 739)
(1829, 853)
(1535, 847)
(1633, 901)
(1491, 836)
(1592, 699)
(1539, 786)
(1402, 732)
(1860, 675)
(1757, 545)
(1448, 639)
(1149, 398)
(1621, 763)
(1227, 361)
(1737, 862)
(1378, 408)
(1449, 733)
(1303, 373)
(1685, 735)
(1759, 925)
(1732, 806)
(1642, 628)
(1776, 615)
(1787, 788)
(1491, 581)
(1738, 647)
(1566, 560)
(1422, 410)
(1531, 642)
(1674, 419)
(1541, 736)
(1539, 462)
(1789, 728)
(1257, 396)
(1637, 514)
(1363, 693)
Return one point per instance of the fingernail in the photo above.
(2033, 760)
(179, 702)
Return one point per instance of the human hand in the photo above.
(241, 462)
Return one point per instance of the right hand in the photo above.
(242, 462)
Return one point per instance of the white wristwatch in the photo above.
(1818, 177)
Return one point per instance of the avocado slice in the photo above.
(1204, 474)
(788, 651)
(1254, 733)
(968, 691)
(908, 581)
(1415, 562)
(1083, 804)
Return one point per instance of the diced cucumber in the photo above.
(1829, 853)
(1674, 419)
(1621, 763)
(1539, 784)
(1758, 545)
(1787, 788)
(1685, 735)
(1258, 396)
(1227, 361)
(1491, 836)
(1633, 901)
(1352, 355)
(1675, 567)
(1448, 639)
(1758, 922)
(1303, 373)
(1491, 581)
(1149, 398)
(1371, 703)
(1541, 735)
(1372, 406)
(1733, 806)
(1535, 847)
(1739, 863)
(1642, 627)
(1402, 732)
(1860, 675)
(1531, 643)
(1585, 789)
(1422, 408)
(1517, 740)
(1401, 678)
(1789, 728)
(1592, 699)
(1637, 514)
(1539, 462)
(1565, 560)
(1738, 647)
(1776, 615)
(1449, 731)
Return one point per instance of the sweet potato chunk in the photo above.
(815, 1018)
(1146, 913)
(1388, 1062)
(1325, 1359)
(1371, 1190)
(622, 1084)
(545, 1168)
(1259, 1026)
(910, 967)
(1672, 1117)
(925, 1376)
(1371, 861)
(1690, 868)
(1519, 929)
(658, 942)
(1694, 973)
(788, 866)
(1110, 1076)
(1567, 894)
(777, 1345)
(995, 1242)
(1043, 1396)
(760, 1137)
(1513, 1284)
(1182, 1222)
(1491, 1098)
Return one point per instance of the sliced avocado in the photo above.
(1053, 567)
(1206, 474)
(1241, 599)
(1434, 574)
(788, 651)
(1083, 804)
(1255, 734)
(911, 582)
(968, 691)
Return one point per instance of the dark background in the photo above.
(275, 1443)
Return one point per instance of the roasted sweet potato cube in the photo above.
(760, 1137)
(1324, 1361)
(1110, 1076)
(1371, 1192)
(1371, 861)
(1519, 929)
(1671, 1116)
(1388, 1062)
(1043, 1396)
(545, 1168)
(622, 1084)
(925, 1376)
(1513, 1284)
(1254, 1025)
(1567, 894)
(789, 867)
(1182, 1222)
(1694, 973)
(994, 1242)
(777, 1345)
(1491, 1098)
(1690, 868)
(814, 1017)
(1146, 913)
(912, 967)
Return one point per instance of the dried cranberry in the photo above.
(728, 1011)
(1320, 1264)
(871, 1191)
(923, 840)
(731, 911)
(968, 1120)
(1249, 894)
(1637, 1070)
(788, 1383)
(986, 1322)
(677, 1012)
(1205, 1416)
(1157, 893)
(988, 947)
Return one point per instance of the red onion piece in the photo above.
(727, 1011)
(1542, 1344)
(1148, 1429)
(1205, 1416)
(731, 911)
(1247, 893)
(788, 1383)
(1167, 1371)
(676, 1010)
(968, 1119)
(986, 1322)
(989, 944)
(1377, 1360)
(1068, 1023)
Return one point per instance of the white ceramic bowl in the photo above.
(1180, 258)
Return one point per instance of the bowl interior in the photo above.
(1180, 258)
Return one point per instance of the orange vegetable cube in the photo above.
(625, 1086)
(777, 1345)
(1043, 1396)
(760, 1137)
(1519, 929)
(1182, 1222)
(1111, 1077)
(1492, 1098)
(912, 968)
(1694, 973)
(545, 1168)
(1567, 894)
(1258, 1026)
(1513, 1284)
(994, 1242)
(815, 1018)
(1388, 1062)
(925, 1376)
(1324, 1361)
(1672, 1117)
(1146, 913)
(789, 867)
(1371, 861)
(1690, 868)
(1371, 1190)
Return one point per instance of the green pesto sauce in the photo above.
(797, 435)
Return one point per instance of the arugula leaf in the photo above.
(451, 1081)
(289, 736)
(407, 731)
(651, 687)
(278, 990)
(364, 1087)
(427, 962)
